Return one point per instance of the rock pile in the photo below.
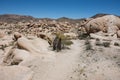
(19, 50)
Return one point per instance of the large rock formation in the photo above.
(16, 56)
(108, 23)
(23, 49)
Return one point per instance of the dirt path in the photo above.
(77, 64)
(64, 64)
(58, 66)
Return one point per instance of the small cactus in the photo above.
(60, 42)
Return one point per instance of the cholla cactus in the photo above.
(60, 41)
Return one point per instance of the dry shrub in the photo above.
(106, 44)
(116, 44)
(82, 35)
(98, 43)
(88, 45)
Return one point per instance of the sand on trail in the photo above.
(75, 64)
(55, 65)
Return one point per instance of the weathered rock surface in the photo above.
(24, 43)
(108, 23)
(2, 34)
(15, 73)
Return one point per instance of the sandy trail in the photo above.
(57, 66)
(64, 64)
(77, 64)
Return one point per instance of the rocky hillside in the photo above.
(12, 18)
(20, 23)
(28, 25)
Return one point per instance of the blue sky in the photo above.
(59, 8)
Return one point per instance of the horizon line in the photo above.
(53, 17)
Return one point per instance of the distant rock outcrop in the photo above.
(13, 18)
(108, 23)
(28, 25)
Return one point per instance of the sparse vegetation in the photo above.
(82, 71)
(116, 44)
(98, 43)
(3, 47)
(10, 32)
(106, 44)
(60, 42)
(88, 45)
(82, 35)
